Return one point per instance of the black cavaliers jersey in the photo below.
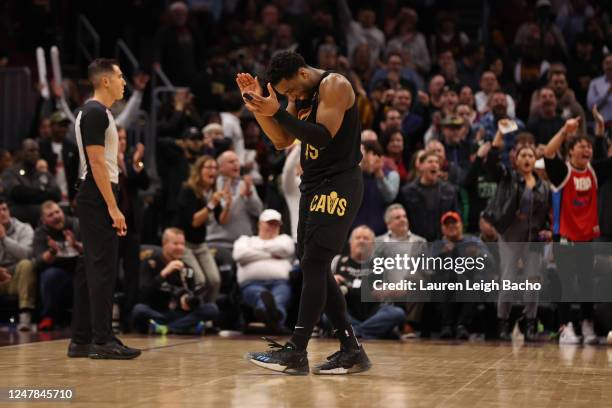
(341, 154)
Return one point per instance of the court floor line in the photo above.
(467, 384)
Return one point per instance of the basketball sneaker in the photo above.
(157, 328)
(283, 358)
(76, 350)
(344, 362)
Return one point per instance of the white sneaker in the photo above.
(568, 336)
(609, 340)
(588, 333)
(517, 335)
(25, 322)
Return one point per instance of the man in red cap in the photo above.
(457, 317)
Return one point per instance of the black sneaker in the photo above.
(113, 350)
(462, 333)
(344, 362)
(285, 359)
(531, 331)
(503, 330)
(446, 333)
(76, 350)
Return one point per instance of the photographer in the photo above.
(56, 249)
(170, 292)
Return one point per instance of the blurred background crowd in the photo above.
(212, 206)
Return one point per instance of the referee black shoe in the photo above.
(344, 362)
(285, 359)
(113, 350)
(76, 350)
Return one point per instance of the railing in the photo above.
(122, 49)
(156, 103)
(17, 101)
(84, 28)
(156, 91)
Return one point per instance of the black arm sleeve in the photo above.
(93, 127)
(493, 166)
(314, 134)
(471, 178)
(556, 170)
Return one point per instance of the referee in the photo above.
(100, 220)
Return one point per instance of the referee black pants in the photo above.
(96, 274)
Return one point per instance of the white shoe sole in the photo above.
(274, 367)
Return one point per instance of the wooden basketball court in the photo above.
(211, 371)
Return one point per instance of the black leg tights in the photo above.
(320, 292)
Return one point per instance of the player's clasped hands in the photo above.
(252, 96)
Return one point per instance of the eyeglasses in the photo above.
(210, 167)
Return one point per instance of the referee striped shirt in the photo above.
(95, 125)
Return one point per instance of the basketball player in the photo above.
(322, 114)
(100, 220)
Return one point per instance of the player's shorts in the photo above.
(328, 210)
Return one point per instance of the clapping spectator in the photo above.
(381, 185)
(243, 203)
(199, 202)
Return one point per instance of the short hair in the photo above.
(371, 146)
(394, 53)
(546, 87)
(574, 140)
(392, 208)
(556, 71)
(284, 65)
(46, 205)
(525, 138)
(362, 226)
(389, 111)
(428, 154)
(100, 66)
(3, 199)
(171, 230)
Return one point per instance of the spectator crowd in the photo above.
(468, 138)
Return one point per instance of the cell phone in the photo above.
(247, 96)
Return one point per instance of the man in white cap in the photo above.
(264, 262)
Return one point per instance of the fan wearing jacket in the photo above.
(520, 213)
